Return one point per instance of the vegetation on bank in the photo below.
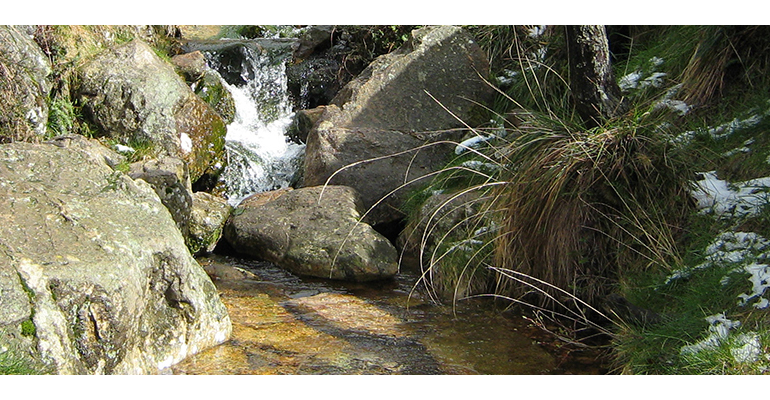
(620, 227)
(652, 228)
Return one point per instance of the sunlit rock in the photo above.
(95, 268)
(24, 86)
(418, 94)
(315, 232)
(207, 220)
(136, 97)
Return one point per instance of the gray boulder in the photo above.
(388, 109)
(24, 86)
(207, 220)
(136, 97)
(93, 149)
(314, 235)
(95, 277)
(169, 178)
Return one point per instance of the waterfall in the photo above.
(260, 156)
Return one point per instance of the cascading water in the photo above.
(260, 156)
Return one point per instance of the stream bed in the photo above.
(284, 324)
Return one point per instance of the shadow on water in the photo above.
(284, 324)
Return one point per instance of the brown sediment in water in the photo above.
(283, 324)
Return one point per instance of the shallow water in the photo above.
(283, 324)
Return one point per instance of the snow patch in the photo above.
(731, 200)
(759, 276)
(722, 131)
(746, 348)
(124, 149)
(536, 31)
(186, 142)
(677, 106)
(472, 143)
(719, 329)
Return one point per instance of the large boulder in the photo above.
(312, 231)
(24, 86)
(393, 106)
(136, 97)
(95, 276)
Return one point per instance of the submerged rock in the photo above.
(136, 97)
(95, 276)
(392, 107)
(313, 235)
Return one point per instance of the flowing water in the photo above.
(284, 324)
(260, 156)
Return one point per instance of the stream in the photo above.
(285, 324)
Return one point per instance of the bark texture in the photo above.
(596, 93)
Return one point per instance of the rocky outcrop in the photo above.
(303, 122)
(206, 83)
(24, 86)
(169, 178)
(94, 274)
(314, 232)
(136, 97)
(392, 107)
(207, 220)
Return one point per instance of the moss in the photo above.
(28, 328)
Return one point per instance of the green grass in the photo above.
(612, 203)
(13, 362)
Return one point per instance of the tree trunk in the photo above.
(594, 89)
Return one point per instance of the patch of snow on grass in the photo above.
(741, 250)
(719, 329)
(654, 80)
(630, 81)
(124, 149)
(728, 248)
(471, 143)
(507, 77)
(718, 196)
(677, 106)
(480, 166)
(760, 281)
(744, 149)
(746, 348)
(536, 31)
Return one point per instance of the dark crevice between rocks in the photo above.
(391, 230)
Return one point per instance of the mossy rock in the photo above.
(211, 90)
